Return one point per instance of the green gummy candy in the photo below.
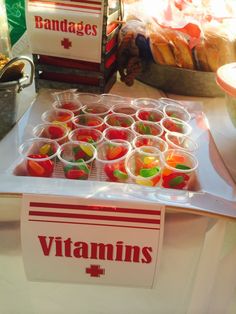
(83, 166)
(148, 130)
(148, 172)
(176, 181)
(67, 168)
(182, 167)
(120, 174)
(76, 149)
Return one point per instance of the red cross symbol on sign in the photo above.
(95, 271)
(66, 43)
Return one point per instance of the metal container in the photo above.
(180, 81)
(9, 95)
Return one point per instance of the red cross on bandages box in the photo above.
(74, 43)
(91, 241)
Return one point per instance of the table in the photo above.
(198, 257)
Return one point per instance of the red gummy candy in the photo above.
(55, 132)
(116, 152)
(40, 168)
(110, 170)
(76, 174)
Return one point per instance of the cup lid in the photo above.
(226, 78)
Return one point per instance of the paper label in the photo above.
(69, 239)
(67, 29)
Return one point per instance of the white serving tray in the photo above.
(215, 193)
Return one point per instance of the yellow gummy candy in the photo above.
(144, 182)
(88, 150)
(148, 160)
(44, 149)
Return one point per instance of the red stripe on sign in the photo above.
(97, 208)
(81, 1)
(71, 10)
(67, 5)
(91, 224)
(93, 217)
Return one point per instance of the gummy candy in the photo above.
(116, 172)
(115, 152)
(55, 132)
(175, 180)
(39, 168)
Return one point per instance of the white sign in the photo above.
(77, 240)
(67, 29)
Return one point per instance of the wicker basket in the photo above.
(180, 81)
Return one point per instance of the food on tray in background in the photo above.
(77, 158)
(144, 165)
(153, 115)
(58, 132)
(147, 128)
(174, 125)
(180, 141)
(67, 99)
(115, 133)
(92, 136)
(13, 72)
(118, 120)
(150, 140)
(39, 156)
(111, 160)
(91, 121)
(179, 169)
(217, 47)
(192, 35)
(61, 116)
(144, 103)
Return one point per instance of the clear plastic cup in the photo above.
(110, 99)
(174, 125)
(92, 136)
(115, 133)
(72, 105)
(142, 103)
(169, 101)
(77, 159)
(66, 94)
(61, 116)
(176, 111)
(67, 99)
(57, 132)
(147, 128)
(179, 169)
(118, 120)
(88, 98)
(177, 141)
(97, 108)
(110, 163)
(149, 114)
(91, 121)
(124, 108)
(150, 140)
(39, 157)
(144, 166)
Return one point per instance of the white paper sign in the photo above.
(67, 29)
(69, 239)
